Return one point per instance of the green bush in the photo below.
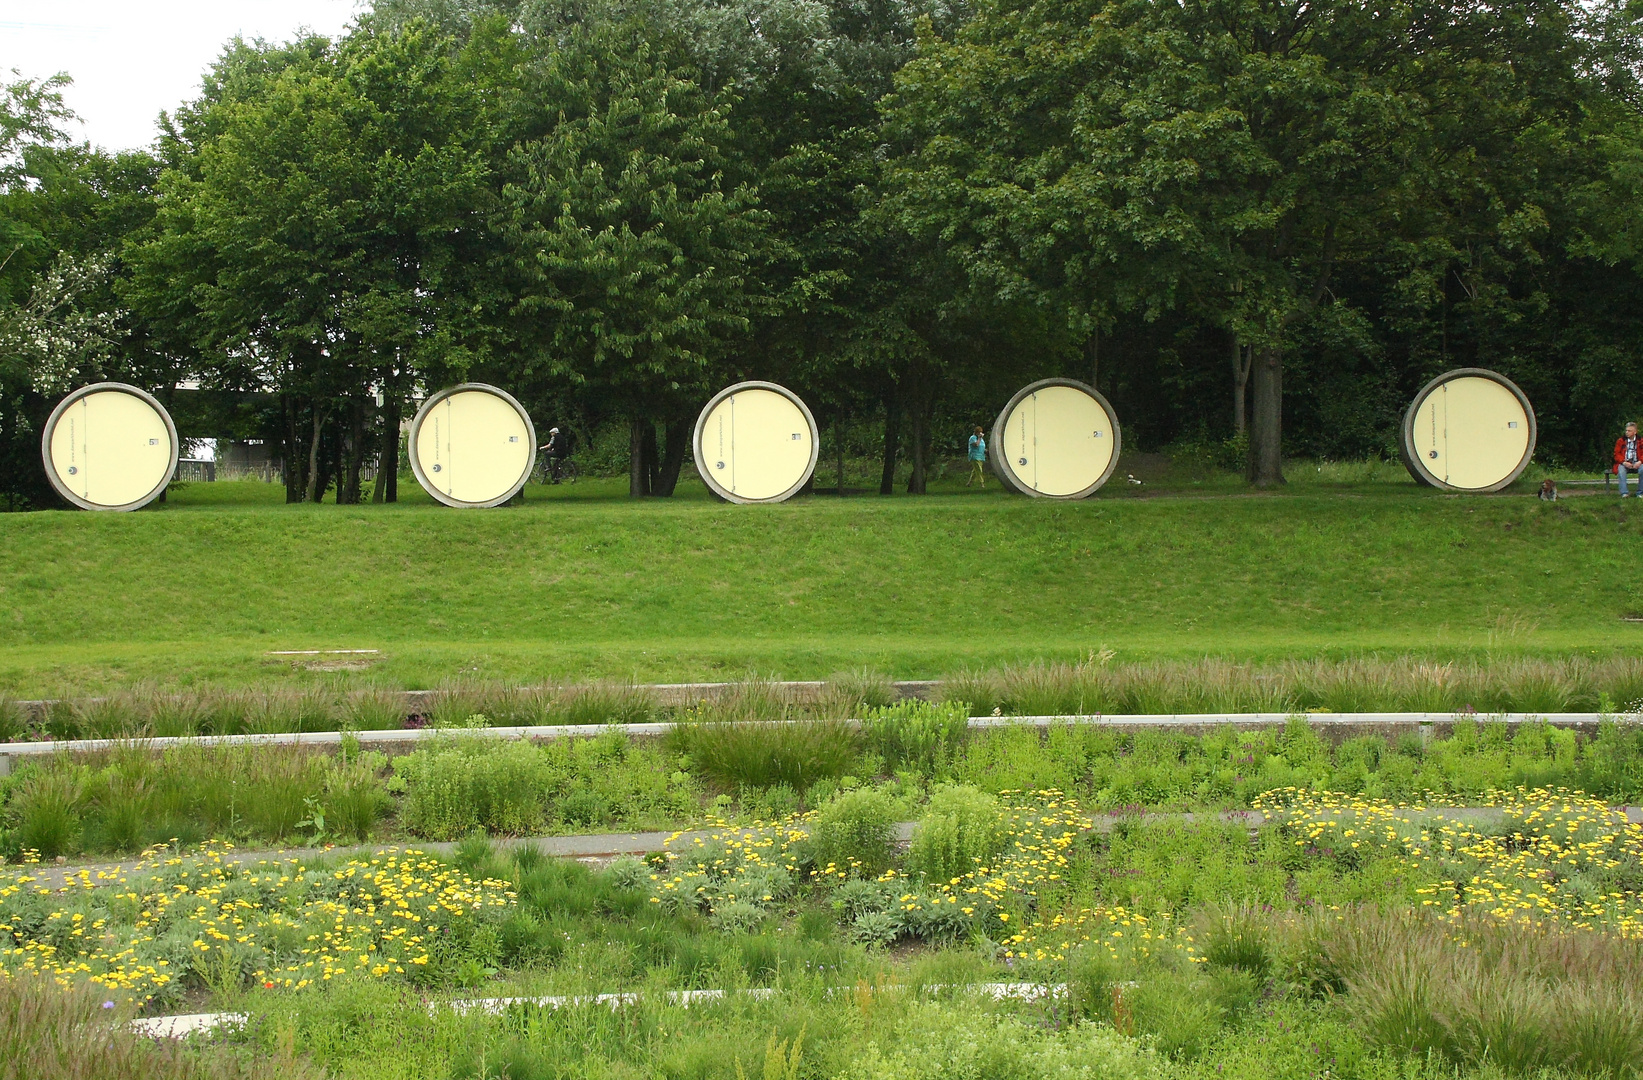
(279, 798)
(374, 710)
(1175, 1009)
(919, 736)
(960, 830)
(1613, 765)
(854, 835)
(465, 782)
(861, 689)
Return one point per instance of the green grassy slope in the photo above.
(583, 584)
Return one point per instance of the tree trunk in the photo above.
(638, 466)
(653, 460)
(1092, 349)
(675, 442)
(838, 448)
(892, 441)
(1266, 465)
(387, 453)
(296, 478)
(916, 479)
(348, 489)
(1242, 356)
(919, 437)
(330, 461)
(390, 446)
(314, 492)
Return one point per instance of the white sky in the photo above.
(130, 59)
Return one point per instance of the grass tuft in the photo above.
(752, 737)
(48, 1032)
(1522, 997)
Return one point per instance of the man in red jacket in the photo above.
(1627, 449)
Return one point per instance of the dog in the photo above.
(1548, 490)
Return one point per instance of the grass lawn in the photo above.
(581, 583)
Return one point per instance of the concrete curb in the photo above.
(180, 1026)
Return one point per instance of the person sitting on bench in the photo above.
(1626, 452)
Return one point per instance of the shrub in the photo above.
(1174, 1009)
(278, 790)
(1179, 1008)
(920, 736)
(961, 829)
(602, 703)
(1613, 765)
(854, 835)
(375, 710)
(463, 782)
(290, 710)
(176, 715)
(126, 806)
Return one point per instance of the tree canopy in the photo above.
(1256, 225)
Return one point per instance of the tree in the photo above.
(1223, 160)
(630, 243)
(325, 233)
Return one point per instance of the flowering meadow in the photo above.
(1543, 854)
(1196, 939)
(175, 923)
(1014, 900)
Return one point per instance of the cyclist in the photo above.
(558, 449)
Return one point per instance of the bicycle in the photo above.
(569, 472)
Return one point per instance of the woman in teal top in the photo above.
(978, 454)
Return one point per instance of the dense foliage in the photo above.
(904, 210)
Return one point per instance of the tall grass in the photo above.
(753, 737)
(48, 1032)
(506, 706)
(13, 722)
(1518, 996)
(374, 709)
(862, 688)
(129, 798)
(1097, 684)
